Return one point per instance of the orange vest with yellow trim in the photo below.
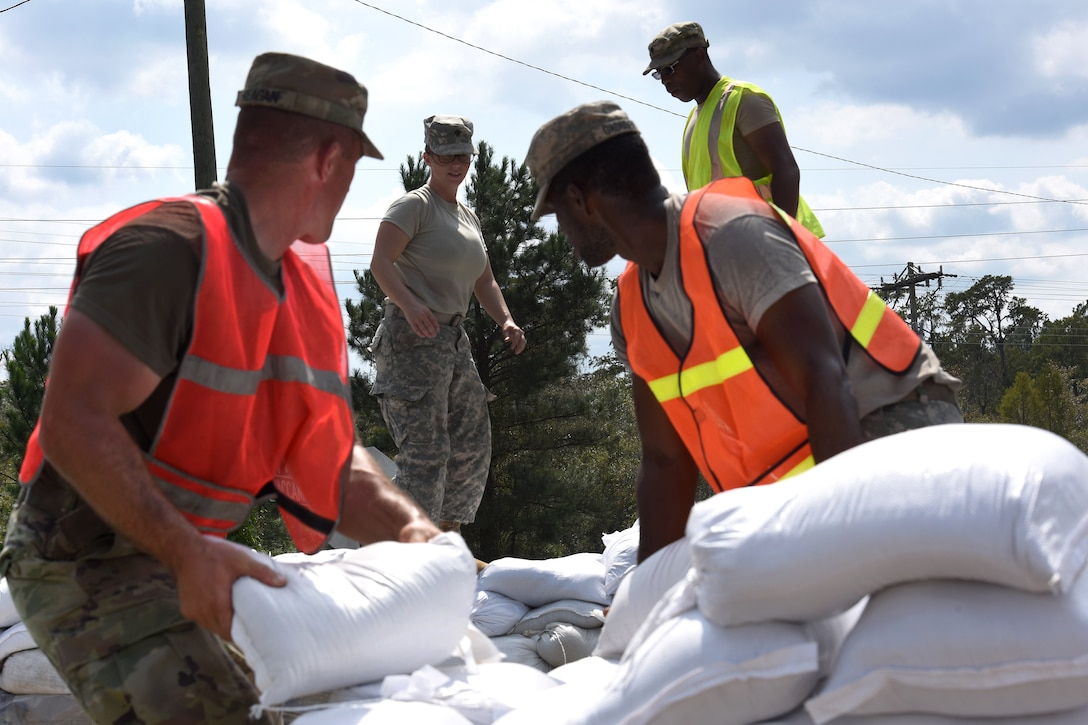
(736, 428)
(262, 402)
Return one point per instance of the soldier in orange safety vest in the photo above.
(201, 367)
(754, 351)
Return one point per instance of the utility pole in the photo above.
(200, 95)
(911, 278)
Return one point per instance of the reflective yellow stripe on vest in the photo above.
(727, 365)
(872, 312)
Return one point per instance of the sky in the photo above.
(951, 135)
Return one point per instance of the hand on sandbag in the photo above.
(206, 575)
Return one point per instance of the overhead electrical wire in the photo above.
(854, 166)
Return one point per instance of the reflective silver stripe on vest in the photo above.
(713, 132)
(284, 368)
(203, 506)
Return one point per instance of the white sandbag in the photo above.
(538, 582)
(963, 649)
(566, 611)
(556, 706)
(480, 694)
(1069, 717)
(356, 616)
(384, 712)
(27, 709)
(15, 638)
(594, 671)
(496, 614)
(520, 649)
(8, 614)
(1006, 504)
(638, 593)
(687, 669)
(29, 672)
(620, 556)
(562, 643)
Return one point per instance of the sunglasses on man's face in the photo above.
(668, 70)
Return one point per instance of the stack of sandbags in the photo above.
(350, 616)
(30, 688)
(542, 612)
(969, 542)
(929, 578)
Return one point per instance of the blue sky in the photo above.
(952, 134)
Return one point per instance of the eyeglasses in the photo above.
(447, 159)
(668, 70)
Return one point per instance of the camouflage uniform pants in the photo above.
(435, 406)
(107, 617)
(929, 404)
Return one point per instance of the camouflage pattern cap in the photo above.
(672, 42)
(566, 137)
(448, 135)
(300, 85)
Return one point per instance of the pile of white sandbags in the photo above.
(930, 578)
(30, 688)
(543, 613)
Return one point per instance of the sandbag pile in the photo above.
(546, 613)
(30, 688)
(931, 578)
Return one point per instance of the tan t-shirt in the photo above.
(445, 254)
(755, 262)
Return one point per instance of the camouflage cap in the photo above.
(448, 135)
(672, 42)
(566, 137)
(300, 85)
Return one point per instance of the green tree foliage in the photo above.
(540, 422)
(1047, 400)
(1064, 342)
(991, 333)
(26, 363)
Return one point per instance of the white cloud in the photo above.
(843, 125)
(1062, 52)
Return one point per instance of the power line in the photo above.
(935, 181)
(515, 60)
(24, 2)
(680, 115)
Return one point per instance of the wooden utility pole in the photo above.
(911, 278)
(200, 94)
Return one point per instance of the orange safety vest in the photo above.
(736, 428)
(262, 402)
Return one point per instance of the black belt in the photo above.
(443, 318)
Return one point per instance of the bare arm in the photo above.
(389, 244)
(774, 152)
(490, 296)
(376, 510)
(667, 475)
(799, 337)
(93, 380)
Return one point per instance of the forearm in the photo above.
(96, 455)
(493, 301)
(785, 189)
(376, 510)
(392, 284)
(665, 498)
(833, 421)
